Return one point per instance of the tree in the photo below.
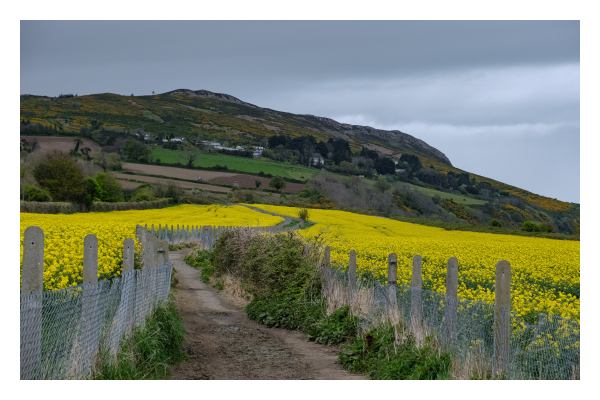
(60, 176)
(93, 192)
(385, 166)
(135, 150)
(257, 182)
(413, 162)
(277, 183)
(111, 188)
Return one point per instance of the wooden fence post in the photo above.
(32, 284)
(352, 272)
(128, 255)
(416, 307)
(90, 259)
(451, 299)
(91, 324)
(502, 318)
(392, 275)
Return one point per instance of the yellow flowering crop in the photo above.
(64, 234)
(545, 272)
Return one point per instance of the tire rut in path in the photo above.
(222, 343)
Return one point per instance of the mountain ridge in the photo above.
(331, 125)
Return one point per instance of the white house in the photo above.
(178, 139)
(316, 160)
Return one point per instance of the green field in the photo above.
(243, 164)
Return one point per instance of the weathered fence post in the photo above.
(148, 253)
(392, 273)
(502, 318)
(352, 273)
(416, 307)
(128, 255)
(152, 229)
(392, 287)
(127, 283)
(451, 299)
(91, 325)
(32, 284)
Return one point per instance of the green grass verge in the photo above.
(149, 352)
(243, 164)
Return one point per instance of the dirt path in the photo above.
(222, 343)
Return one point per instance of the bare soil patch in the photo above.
(61, 143)
(173, 172)
(248, 181)
(222, 343)
(165, 181)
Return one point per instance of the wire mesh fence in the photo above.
(207, 235)
(63, 331)
(547, 350)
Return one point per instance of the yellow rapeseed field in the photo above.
(545, 273)
(64, 234)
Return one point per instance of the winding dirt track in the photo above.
(222, 343)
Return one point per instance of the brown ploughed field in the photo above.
(61, 143)
(165, 181)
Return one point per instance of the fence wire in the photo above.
(62, 331)
(547, 350)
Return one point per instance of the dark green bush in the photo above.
(530, 226)
(495, 222)
(33, 193)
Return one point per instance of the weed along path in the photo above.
(222, 343)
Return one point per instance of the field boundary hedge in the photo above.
(71, 208)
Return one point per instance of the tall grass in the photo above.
(149, 352)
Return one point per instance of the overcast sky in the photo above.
(499, 98)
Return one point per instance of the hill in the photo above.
(202, 115)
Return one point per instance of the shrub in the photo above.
(142, 194)
(33, 193)
(496, 223)
(303, 214)
(529, 226)
(546, 227)
(173, 191)
(382, 185)
(277, 183)
(277, 266)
